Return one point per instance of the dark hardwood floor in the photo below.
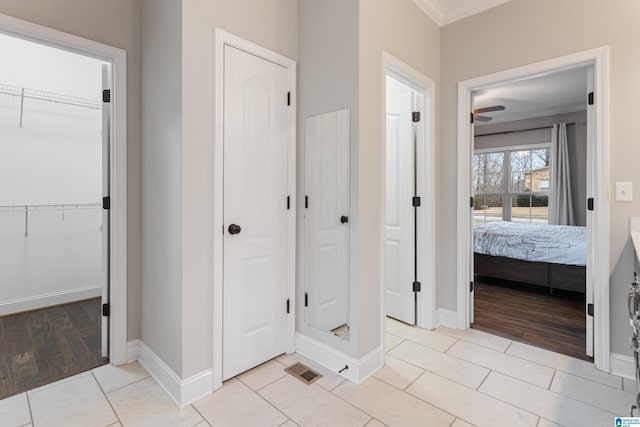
(42, 346)
(529, 314)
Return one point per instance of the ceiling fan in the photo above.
(477, 113)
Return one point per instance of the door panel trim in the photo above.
(222, 38)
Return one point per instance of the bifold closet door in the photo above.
(327, 219)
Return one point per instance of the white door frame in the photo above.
(222, 38)
(426, 304)
(118, 168)
(599, 257)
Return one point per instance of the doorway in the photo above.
(596, 286)
(254, 157)
(408, 213)
(55, 171)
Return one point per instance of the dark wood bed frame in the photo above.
(554, 276)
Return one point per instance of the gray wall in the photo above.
(327, 81)
(576, 140)
(116, 23)
(511, 37)
(161, 93)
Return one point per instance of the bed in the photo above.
(552, 256)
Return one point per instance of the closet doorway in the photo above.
(408, 217)
(55, 121)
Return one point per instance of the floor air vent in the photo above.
(303, 373)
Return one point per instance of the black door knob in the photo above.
(344, 219)
(234, 229)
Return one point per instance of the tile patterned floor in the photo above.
(432, 378)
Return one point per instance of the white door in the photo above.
(255, 211)
(106, 144)
(590, 214)
(327, 219)
(399, 239)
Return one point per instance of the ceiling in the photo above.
(557, 93)
(444, 12)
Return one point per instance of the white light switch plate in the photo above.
(624, 192)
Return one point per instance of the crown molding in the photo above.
(443, 15)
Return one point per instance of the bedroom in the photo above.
(530, 179)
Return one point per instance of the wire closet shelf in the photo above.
(57, 98)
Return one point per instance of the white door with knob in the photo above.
(255, 243)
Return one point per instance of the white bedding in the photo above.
(559, 244)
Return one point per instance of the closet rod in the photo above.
(523, 130)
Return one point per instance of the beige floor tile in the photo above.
(312, 405)
(468, 404)
(375, 423)
(563, 363)
(421, 336)
(547, 423)
(592, 393)
(117, 425)
(329, 380)
(545, 403)
(457, 370)
(522, 369)
(236, 405)
(390, 405)
(263, 375)
(113, 377)
(144, 403)
(398, 373)
(289, 423)
(75, 401)
(14, 411)
(391, 341)
(484, 339)
(461, 423)
(629, 386)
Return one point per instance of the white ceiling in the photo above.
(557, 93)
(447, 11)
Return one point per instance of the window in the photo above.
(512, 185)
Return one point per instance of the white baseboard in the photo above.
(359, 369)
(47, 300)
(623, 366)
(182, 391)
(447, 318)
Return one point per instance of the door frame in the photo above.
(426, 304)
(599, 234)
(222, 38)
(118, 163)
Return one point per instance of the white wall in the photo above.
(113, 22)
(576, 141)
(511, 36)
(161, 135)
(400, 28)
(327, 81)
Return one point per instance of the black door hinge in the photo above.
(288, 306)
(106, 309)
(288, 202)
(417, 286)
(306, 202)
(415, 116)
(471, 115)
(471, 202)
(590, 309)
(416, 202)
(590, 98)
(306, 299)
(288, 98)
(470, 286)
(590, 203)
(106, 95)
(106, 202)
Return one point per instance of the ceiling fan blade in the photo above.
(489, 109)
(483, 119)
